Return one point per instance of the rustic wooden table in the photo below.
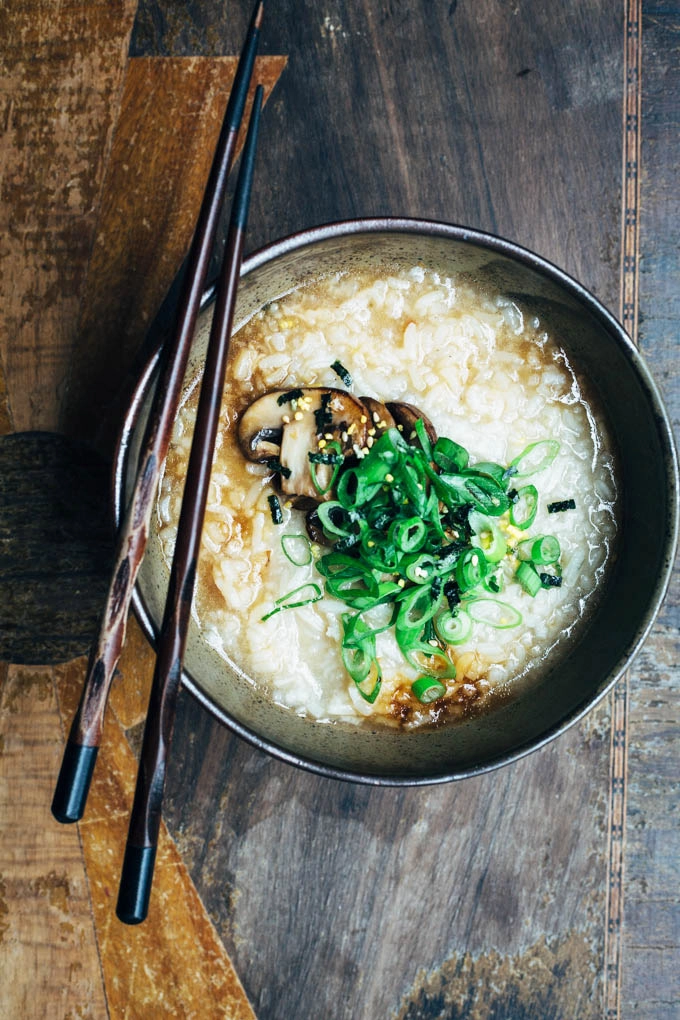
(548, 889)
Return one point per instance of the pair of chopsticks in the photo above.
(82, 745)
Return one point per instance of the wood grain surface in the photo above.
(549, 888)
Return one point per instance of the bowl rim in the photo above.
(495, 243)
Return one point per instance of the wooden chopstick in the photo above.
(81, 749)
(140, 851)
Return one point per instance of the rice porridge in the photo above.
(412, 504)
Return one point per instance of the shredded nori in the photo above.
(274, 464)
(550, 580)
(322, 416)
(452, 594)
(287, 398)
(341, 371)
(275, 507)
(326, 458)
(560, 505)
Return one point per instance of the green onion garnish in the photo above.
(560, 505)
(543, 549)
(535, 457)
(342, 372)
(285, 601)
(487, 536)
(493, 612)
(524, 507)
(453, 628)
(297, 549)
(275, 509)
(426, 689)
(416, 528)
(331, 456)
(528, 577)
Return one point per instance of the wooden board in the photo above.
(548, 889)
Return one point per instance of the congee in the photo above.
(413, 500)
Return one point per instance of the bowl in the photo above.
(648, 478)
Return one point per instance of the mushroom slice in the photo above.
(406, 416)
(289, 424)
(260, 427)
(380, 418)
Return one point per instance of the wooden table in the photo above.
(548, 889)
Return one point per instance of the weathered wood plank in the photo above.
(151, 196)
(174, 965)
(651, 931)
(50, 965)
(51, 167)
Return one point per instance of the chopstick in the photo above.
(140, 850)
(80, 753)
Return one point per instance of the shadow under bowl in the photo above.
(582, 674)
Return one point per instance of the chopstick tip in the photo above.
(259, 14)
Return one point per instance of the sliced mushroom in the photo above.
(315, 528)
(260, 427)
(289, 425)
(379, 417)
(406, 416)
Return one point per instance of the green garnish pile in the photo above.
(418, 528)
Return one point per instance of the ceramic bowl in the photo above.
(648, 478)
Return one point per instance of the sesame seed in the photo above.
(371, 432)
(401, 582)
(286, 419)
(345, 437)
(370, 441)
(322, 443)
(298, 416)
(389, 477)
(328, 435)
(363, 419)
(375, 416)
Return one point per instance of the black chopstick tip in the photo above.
(73, 784)
(135, 884)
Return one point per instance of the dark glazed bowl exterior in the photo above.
(648, 480)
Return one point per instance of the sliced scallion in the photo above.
(541, 550)
(453, 628)
(426, 689)
(487, 536)
(296, 549)
(523, 509)
(527, 576)
(493, 612)
(535, 457)
(293, 599)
